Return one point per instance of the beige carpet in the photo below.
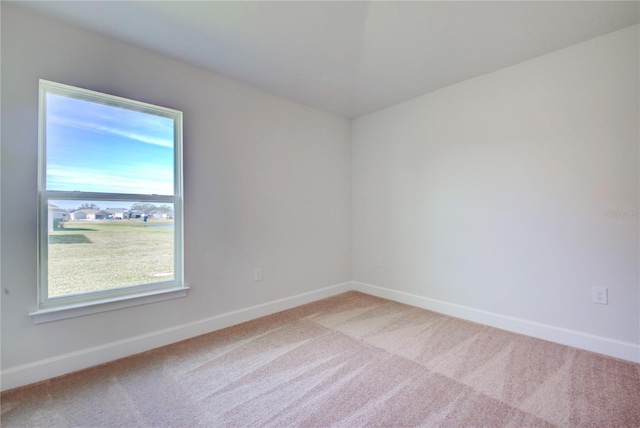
(350, 360)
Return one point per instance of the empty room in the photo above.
(320, 213)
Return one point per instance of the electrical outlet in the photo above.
(257, 274)
(599, 295)
(379, 262)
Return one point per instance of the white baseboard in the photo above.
(17, 376)
(602, 345)
(14, 377)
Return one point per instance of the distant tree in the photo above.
(87, 206)
(145, 208)
(165, 209)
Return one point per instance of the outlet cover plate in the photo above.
(599, 295)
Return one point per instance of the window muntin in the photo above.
(115, 154)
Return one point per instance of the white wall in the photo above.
(267, 183)
(489, 197)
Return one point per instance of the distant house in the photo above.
(161, 214)
(118, 213)
(55, 215)
(103, 215)
(86, 214)
(158, 214)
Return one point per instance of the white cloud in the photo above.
(88, 180)
(95, 127)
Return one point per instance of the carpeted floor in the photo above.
(350, 360)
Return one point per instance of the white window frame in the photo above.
(50, 309)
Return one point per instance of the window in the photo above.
(110, 202)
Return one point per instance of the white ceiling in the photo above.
(350, 58)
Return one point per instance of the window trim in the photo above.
(49, 309)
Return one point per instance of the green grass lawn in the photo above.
(89, 256)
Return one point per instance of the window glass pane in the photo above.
(92, 147)
(102, 245)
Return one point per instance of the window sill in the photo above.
(63, 312)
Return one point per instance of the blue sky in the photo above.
(99, 148)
